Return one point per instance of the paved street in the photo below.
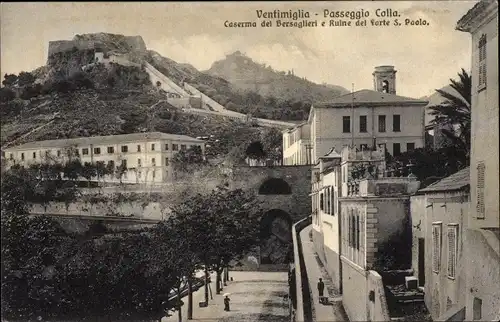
(255, 296)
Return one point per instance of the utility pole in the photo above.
(352, 113)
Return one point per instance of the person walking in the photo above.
(321, 289)
(226, 303)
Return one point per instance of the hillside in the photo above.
(245, 74)
(73, 96)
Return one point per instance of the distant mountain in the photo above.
(245, 74)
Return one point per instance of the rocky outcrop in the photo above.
(103, 41)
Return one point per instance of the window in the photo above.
(111, 164)
(11, 156)
(396, 149)
(385, 86)
(410, 146)
(350, 230)
(477, 308)
(22, 156)
(154, 173)
(124, 148)
(381, 123)
(363, 147)
(480, 190)
(328, 200)
(452, 249)
(139, 164)
(175, 147)
(362, 124)
(346, 124)
(321, 206)
(166, 162)
(166, 147)
(334, 198)
(436, 247)
(96, 151)
(183, 147)
(138, 148)
(124, 164)
(34, 155)
(396, 123)
(85, 151)
(153, 162)
(357, 232)
(482, 62)
(112, 149)
(152, 147)
(58, 153)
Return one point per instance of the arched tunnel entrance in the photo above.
(276, 237)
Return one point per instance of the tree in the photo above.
(25, 79)
(456, 111)
(177, 256)
(223, 226)
(9, 79)
(189, 160)
(89, 171)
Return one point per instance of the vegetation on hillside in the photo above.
(284, 107)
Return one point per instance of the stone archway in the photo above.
(276, 237)
(275, 186)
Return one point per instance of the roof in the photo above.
(103, 140)
(475, 14)
(456, 181)
(369, 97)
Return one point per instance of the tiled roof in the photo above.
(369, 97)
(475, 13)
(456, 181)
(103, 140)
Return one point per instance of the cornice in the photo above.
(481, 13)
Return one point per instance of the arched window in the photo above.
(275, 186)
(385, 86)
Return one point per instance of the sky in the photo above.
(425, 57)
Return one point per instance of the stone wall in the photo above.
(355, 294)
(377, 305)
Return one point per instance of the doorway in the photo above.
(421, 262)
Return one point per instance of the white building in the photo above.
(366, 118)
(297, 145)
(146, 156)
(483, 236)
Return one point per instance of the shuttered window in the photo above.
(436, 246)
(482, 62)
(350, 230)
(480, 190)
(329, 201)
(321, 201)
(452, 249)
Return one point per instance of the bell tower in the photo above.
(384, 79)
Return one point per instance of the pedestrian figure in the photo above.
(321, 288)
(226, 303)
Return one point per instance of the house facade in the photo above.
(439, 216)
(483, 234)
(145, 156)
(297, 145)
(369, 118)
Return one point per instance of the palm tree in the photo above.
(455, 111)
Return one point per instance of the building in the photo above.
(296, 145)
(483, 234)
(369, 118)
(146, 156)
(439, 216)
(357, 214)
